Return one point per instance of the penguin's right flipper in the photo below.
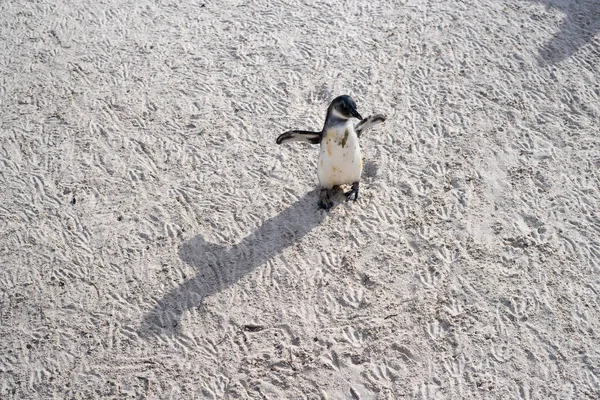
(368, 123)
(300, 136)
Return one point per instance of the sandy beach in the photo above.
(156, 243)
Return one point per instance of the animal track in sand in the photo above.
(519, 308)
(431, 278)
(454, 309)
(501, 353)
(425, 391)
(354, 336)
(215, 386)
(331, 360)
(455, 367)
(525, 146)
(330, 261)
(382, 373)
(438, 169)
(136, 175)
(436, 330)
(447, 255)
(423, 187)
(524, 391)
(445, 213)
(354, 298)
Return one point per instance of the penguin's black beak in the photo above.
(355, 114)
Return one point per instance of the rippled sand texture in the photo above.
(156, 243)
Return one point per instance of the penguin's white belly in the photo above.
(340, 160)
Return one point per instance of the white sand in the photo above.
(156, 243)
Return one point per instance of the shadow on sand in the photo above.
(219, 267)
(580, 26)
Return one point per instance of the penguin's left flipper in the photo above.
(300, 136)
(368, 123)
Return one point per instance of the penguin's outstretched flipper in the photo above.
(300, 136)
(368, 123)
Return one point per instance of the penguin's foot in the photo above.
(325, 201)
(353, 193)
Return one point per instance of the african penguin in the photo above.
(340, 159)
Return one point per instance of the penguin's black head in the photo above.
(343, 107)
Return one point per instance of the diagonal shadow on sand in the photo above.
(580, 26)
(219, 267)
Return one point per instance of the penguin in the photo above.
(340, 158)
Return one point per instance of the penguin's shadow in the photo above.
(219, 267)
